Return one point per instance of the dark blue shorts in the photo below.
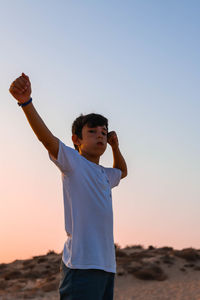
(86, 284)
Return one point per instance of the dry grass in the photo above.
(188, 254)
(148, 272)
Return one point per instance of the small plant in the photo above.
(188, 254)
(148, 272)
(134, 247)
(117, 246)
(51, 252)
(151, 247)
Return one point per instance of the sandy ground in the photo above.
(142, 274)
(179, 286)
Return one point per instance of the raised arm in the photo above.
(21, 91)
(118, 160)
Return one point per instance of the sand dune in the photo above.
(142, 274)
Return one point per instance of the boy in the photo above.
(88, 261)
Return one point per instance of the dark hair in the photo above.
(92, 120)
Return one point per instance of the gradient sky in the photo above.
(135, 62)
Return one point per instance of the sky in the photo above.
(135, 62)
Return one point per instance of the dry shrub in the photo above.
(166, 259)
(117, 246)
(47, 267)
(50, 278)
(123, 261)
(189, 266)
(163, 250)
(151, 247)
(50, 286)
(42, 259)
(166, 248)
(140, 255)
(13, 275)
(32, 274)
(3, 285)
(27, 262)
(188, 254)
(120, 253)
(3, 267)
(134, 247)
(50, 252)
(120, 273)
(31, 294)
(148, 272)
(182, 269)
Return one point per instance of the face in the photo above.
(94, 140)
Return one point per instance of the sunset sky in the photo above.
(138, 64)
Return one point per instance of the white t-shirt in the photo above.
(87, 210)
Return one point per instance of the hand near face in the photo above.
(112, 139)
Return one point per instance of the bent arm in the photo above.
(119, 161)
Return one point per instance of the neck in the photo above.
(94, 159)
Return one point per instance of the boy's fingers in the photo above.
(23, 80)
(25, 76)
(20, 82)
(111, 134)
(14, 90)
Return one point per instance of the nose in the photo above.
(100, 134)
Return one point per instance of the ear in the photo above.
(75, 140)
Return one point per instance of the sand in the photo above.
(142, 274)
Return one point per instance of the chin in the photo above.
(100, 152)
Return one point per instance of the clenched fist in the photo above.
(112, 139)
(20, 89)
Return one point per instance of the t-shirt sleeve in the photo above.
(114, 176)
(67, 160)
